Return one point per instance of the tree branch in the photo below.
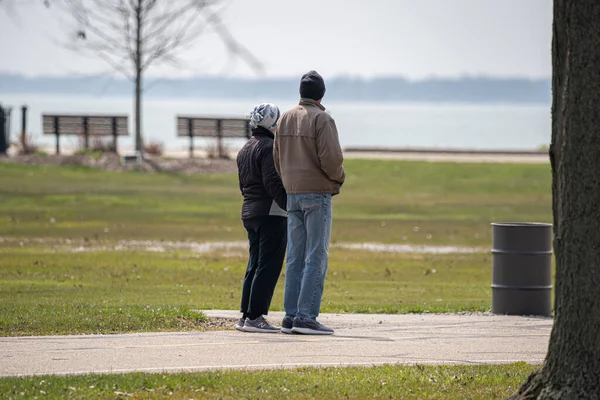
(166, 21)
(234, 46)
(91, 29)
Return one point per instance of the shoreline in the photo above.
(449, 155)
(426, 150)
(375, 153)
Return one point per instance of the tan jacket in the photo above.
(307, 151)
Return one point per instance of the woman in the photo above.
(264, 217)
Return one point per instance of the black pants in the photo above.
(268, 240)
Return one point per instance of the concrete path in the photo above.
(360, 339)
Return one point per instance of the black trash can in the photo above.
(522, 268)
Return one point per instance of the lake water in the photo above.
(415, 125)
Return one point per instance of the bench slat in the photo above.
(207, 127)
(98, 125)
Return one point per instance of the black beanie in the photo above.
(312, 86)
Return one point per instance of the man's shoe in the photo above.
(240, 324)
(287, 324)
(259, 325)
(308, 327)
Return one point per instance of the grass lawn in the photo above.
(46, 292)
(53, 290)
(49, 291)
(382, 201)
(485, 382)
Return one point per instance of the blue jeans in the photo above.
(309, 229)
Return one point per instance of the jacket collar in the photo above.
(260, 131)
(310, 102)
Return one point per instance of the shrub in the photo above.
(154, 148)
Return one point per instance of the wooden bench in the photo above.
(85, 126)
(216, 127)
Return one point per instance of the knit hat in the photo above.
(265, 115)
(312, 86)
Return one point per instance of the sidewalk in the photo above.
(360, 339)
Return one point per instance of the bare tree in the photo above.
(9, 6)
(572, 366)
(135, 35)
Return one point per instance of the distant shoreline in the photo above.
(378, 89)
(449, 155)
(253, 98)
(415, 150)
(398, 154)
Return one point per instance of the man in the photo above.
(308, 157)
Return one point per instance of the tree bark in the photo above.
(572, 366)
(138, 77)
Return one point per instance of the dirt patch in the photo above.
(232, 249)
(410, 248)
(113, 162)
(218, 324)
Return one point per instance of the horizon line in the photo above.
(116, 75)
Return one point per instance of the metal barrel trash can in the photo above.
(522, 268)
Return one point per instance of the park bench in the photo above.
(85, 126)
(216, 127)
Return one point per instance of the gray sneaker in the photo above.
(240, 324)
(309, 327)
(287, 324)
(259, 325)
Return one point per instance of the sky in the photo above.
(417, 39)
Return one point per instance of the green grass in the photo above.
(382, 201)
(57, 292)
(485, 382)
(46, 291)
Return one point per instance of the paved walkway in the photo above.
(360, 339)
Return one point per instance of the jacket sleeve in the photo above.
(276, 154)
(271, 180)
(238, 162)
(330, 151)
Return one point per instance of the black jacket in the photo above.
(260, 184)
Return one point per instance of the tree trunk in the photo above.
(572, 366)
(138, 111)
(139, 147)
